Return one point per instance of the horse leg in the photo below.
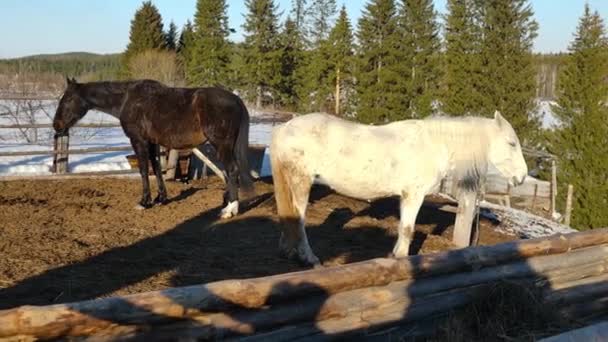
(409, 206)
(291, 191)
(232, 206)
(154, 151)
(465, 215)
(141, 151)
(294, 241)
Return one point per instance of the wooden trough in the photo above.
(332, 302)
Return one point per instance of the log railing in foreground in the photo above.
(571, 268)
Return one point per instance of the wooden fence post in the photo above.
(553, 187)
(172, 161)
(534, 197)
(60, 158)
(508, 196)
(568, 205)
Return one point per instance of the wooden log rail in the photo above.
(49, 125)
(72, 151)
(336, 299)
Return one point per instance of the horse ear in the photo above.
(68, 80)
(498, 118)
(74, 80)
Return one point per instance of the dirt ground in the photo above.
(71, 240)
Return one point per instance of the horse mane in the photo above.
(467, 140)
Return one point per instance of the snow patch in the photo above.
(523, 224)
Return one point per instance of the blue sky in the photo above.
(51, 26)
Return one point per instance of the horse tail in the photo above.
(283, 193)
(241, 148)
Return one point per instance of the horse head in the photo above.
(505, 151)
(72, 107)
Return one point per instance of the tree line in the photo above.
(393, 64)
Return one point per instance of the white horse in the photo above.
(407, 158)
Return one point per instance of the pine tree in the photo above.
(184, 46)
(341, 47)
(379, 98)
(508, 82)
(261, 46)
(298, 14)
(321, 13)
(210, 54)
(186, 39)
(146, 33)
(581, 143)
(171, 37)
(419, 56)
(460, 95)
(290, 56)
(315, 86)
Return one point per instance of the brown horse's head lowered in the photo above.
(72, 107)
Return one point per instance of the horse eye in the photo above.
(513, 144)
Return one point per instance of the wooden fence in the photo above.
(570, 272)
(61, 151)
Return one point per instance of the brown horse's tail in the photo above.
(241, 149)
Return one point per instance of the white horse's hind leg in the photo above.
(291, 190)
(294, 241)
(409, 207)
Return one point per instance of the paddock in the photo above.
(77, 239)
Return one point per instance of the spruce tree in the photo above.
(341, 47)
(298, 15)
(171, 37)
(184, 46)
(581, 143)
(261, 46)
(146, 33)
(508, 82)
(210, 54)
(460, 95)
(321, 13)
(378, 95)
(290, 56)
(186, 39)
(315, 87)
(419, 56)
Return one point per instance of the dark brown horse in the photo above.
(152, 115)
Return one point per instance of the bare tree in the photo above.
(157, 65)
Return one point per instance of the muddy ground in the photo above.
(70, 240)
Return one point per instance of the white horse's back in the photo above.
(356, 160)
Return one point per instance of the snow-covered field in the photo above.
(41, 139)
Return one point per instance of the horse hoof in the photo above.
(160, 201)
(139, 207)
(226, 215)
(230, 210)
(397, 256)
(318, 266)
